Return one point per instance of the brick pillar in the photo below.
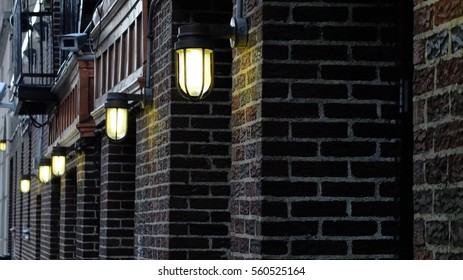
(50, 220)
(38, 225)
(118, 197)
(183, 156)
(68, 216)
(438, 107)
(315, 131)
(88, 205)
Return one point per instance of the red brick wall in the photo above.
(437, 129)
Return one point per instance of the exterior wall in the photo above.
(315, 131)
(437, 104)
(117, 197)
(296, 154)
(183, 151)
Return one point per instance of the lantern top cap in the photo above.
(45, 161)
(194, 36)
(58, 151)
(116, 100)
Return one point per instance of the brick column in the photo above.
(50, 220)
(183, 155)
(438, 107)
(88, 205)
(68, 216)
(315, 132)
(118, 197)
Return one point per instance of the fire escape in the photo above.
(33, 57)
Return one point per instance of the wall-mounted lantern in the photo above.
(25, 183)
(2, 145)
(58, 161)
(44, 173)
(194, 54)
(117, 115)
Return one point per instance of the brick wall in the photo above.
(68, 207)
(88, 206)
(183, 150)
(50, 226)
(117, 197)
(152, 152)
(437, 104)
(315, 130)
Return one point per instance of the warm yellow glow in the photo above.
(25, 185)
(44, 174)
(194, 73)
(58, 165)
(2, 146)
(116, 123)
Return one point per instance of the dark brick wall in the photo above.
(437, 134)
(68, 203)
(183, 155)
(315, 129)
(117, 197)
(152, 150)
(50, 220)
(296, 154)
(88, 205)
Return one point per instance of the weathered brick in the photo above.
(437, 232)
(418, 233)
(456, 37)
(448, 201)
(436, 170)
(456, 233)
(423, 81)
(437, 45)
(423, 201)
(449, 72)
(447, 10)
(423, 19)
(419, 49)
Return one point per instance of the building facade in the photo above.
(332, 135)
